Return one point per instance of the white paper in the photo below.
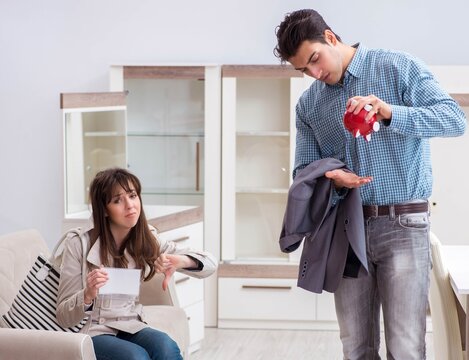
(122, 282)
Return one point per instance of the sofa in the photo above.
(18, 251)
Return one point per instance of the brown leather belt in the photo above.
(398, 209)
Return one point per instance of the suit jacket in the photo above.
(107, 311)
(333, 236)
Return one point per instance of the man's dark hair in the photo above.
(298, 26)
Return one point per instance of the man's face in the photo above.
(320, 61)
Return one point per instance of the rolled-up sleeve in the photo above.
(208, 261)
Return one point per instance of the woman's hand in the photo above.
(346, 179)
(95, 279)
(167, 264)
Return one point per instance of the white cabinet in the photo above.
(94, 138)
(173, 141)
(189, 290)
(173, 134)
(258, 137)
(266, 296)
(256, 281)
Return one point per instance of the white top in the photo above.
(456, 258)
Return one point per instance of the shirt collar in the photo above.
(355, 67)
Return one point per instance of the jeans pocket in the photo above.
(417, 221)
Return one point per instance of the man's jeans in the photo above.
(399, 264)
(145, 344)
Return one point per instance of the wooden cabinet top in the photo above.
(260, 71)
(163, 217)
(182, 216)
(276, 271)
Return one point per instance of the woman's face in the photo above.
(123, 210)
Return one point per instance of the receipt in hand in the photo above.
(122, 282)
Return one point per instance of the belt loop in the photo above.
(392, 214)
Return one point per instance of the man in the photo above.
(392, 170)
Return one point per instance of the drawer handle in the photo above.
(182, 238)
(181, 280)
(266, 287)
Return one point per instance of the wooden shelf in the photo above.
(80, 100)
(164, 72)
(277, 271)
(260, 71)
(178, 219)
(165, 134)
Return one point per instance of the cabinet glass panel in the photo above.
(262, 162)
(166, 138)
(262, 105)
(259, 219)
(94, 141)
(262, 166)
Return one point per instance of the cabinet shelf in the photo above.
(263, 133)
(262, 261)
(166, 191)
(256, 190)
(102, 134)
(165, 134)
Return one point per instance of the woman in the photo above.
(121, 238)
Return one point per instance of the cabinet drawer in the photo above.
(186, 236)
(195, 315)
(189, 290)
(264, 299)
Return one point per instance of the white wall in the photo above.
(53, 46)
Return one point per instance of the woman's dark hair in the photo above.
(140, 242)
(298, 26)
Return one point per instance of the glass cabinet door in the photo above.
(166, 136)
(173, 136)
(258, 144)
(94, 127)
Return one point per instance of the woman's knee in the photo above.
(108, 347)
(158, 344)
(166, 349)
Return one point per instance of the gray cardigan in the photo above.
(333, 235)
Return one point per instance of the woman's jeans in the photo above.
(143, 345)
(399, 264)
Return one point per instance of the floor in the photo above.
(234, 344)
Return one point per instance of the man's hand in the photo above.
(381, 109)
(346, 179)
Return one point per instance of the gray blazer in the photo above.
(334, 235)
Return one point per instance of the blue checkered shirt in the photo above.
(398, 155)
